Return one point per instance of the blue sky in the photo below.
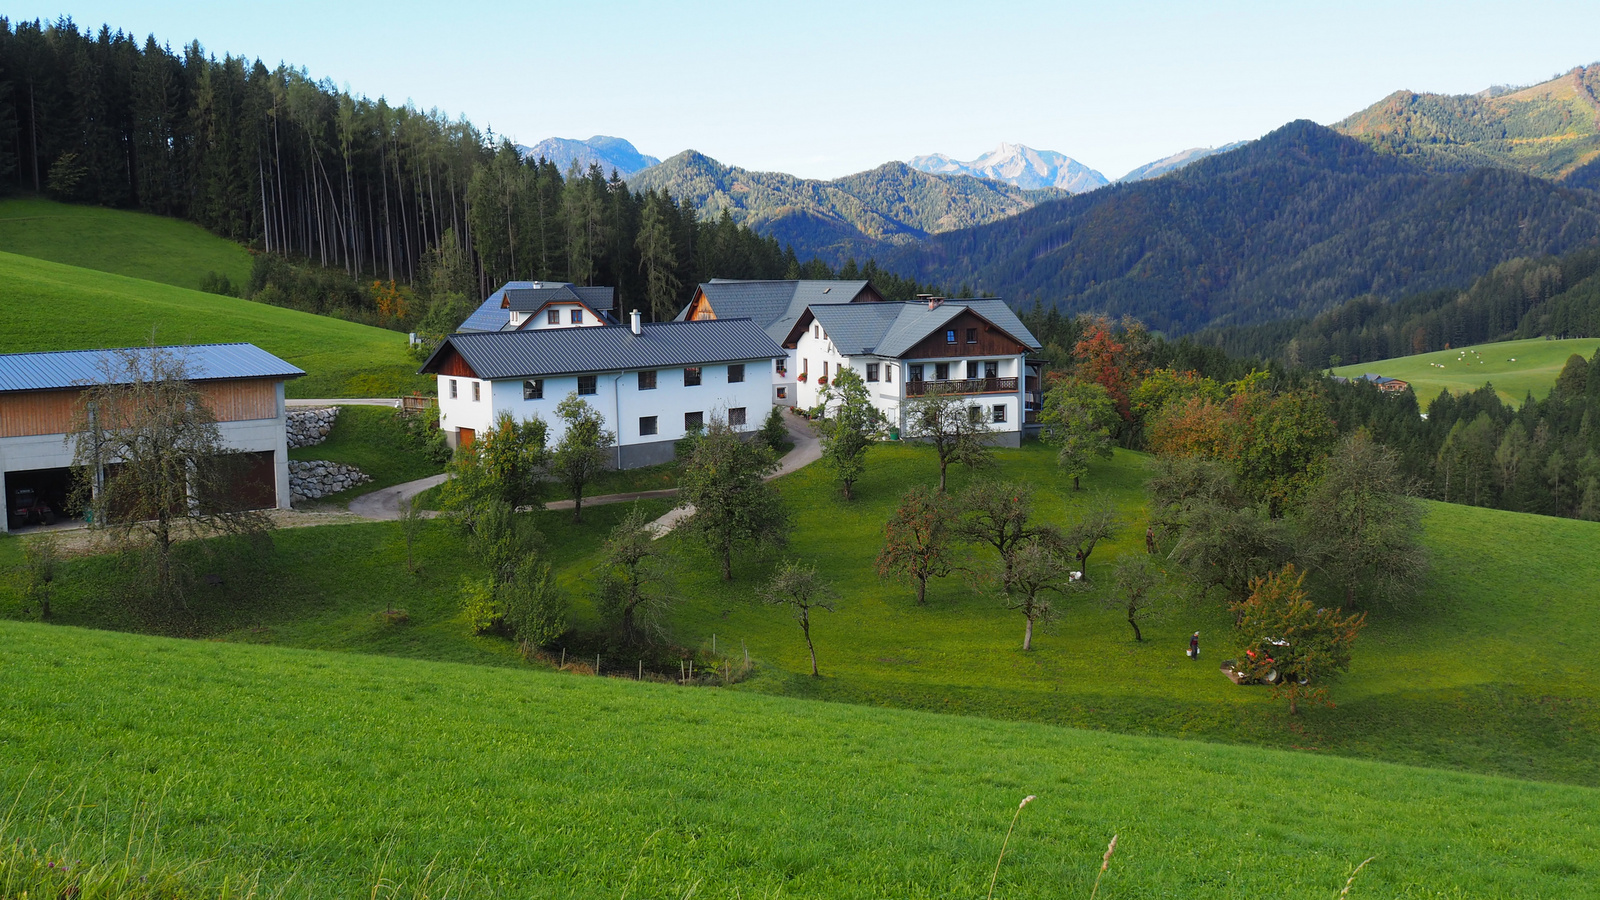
(828, 88)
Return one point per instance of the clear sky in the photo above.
(824, 89)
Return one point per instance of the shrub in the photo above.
(478, 600)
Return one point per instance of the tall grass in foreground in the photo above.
(98, 860)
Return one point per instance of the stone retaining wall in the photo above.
(309, 427)
(313, 479)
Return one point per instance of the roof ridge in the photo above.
(114, 349)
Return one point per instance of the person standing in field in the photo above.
(1194, 645)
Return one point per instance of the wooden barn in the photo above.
(41, 399)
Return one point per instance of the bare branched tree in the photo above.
(157, 468)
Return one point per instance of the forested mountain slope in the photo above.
(1521, 298)
(893, 203)
(1291, 224)
(1549, 129)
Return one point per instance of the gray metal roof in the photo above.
(774, 305)
(569, 351)
(529, 296)
(890, 329)
(79, 368)
(598, 299)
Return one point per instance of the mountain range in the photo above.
(887, 206)
(1288, 225)
(1022, 166)
(1176, 161)
(1551, 129)
(610, 153)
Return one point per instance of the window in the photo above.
(553, 317)
(647, 380)
(991, 369)
(475, 389)
(888, 373)
(694, 421)
(691, 376)
(972, 335)
(975, 415)
(735, 373)
(816, 331)
(783, 393)
(577, 317)
(587, 385)
(824, 372)
(452, 389)
(736, 416)
(533, 390)
(916, 372)
(647, 425)
(972, 369)
(941, 371)
(999, 413)
(783, 365)
(872, 371)
(950, 336)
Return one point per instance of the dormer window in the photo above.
(553, 317)
(577, 317)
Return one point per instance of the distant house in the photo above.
(1383, 383)
(520, 305)
(40, 397)
(653, 383)
(976, 348)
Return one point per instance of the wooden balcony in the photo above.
(963, 386)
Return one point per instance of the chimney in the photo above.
(635, 322)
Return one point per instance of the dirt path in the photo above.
(385, 504)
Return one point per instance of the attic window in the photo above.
(553, 317)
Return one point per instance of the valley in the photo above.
(1202, 612)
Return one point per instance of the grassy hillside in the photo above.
(139, 245)
(325, 774)
(1548, 129)
(1515, 368)
(1463, 680)
(50, 306)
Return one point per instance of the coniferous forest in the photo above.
(323, 182)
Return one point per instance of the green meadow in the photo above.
(1515, 368)
(1495, 669)
(122, 242)
(52, 306)
(302, 773)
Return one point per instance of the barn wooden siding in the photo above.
(28, 413)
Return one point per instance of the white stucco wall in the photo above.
(618, 399)
(813, 349)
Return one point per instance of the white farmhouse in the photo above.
(975, 348)
(653, 383)
(530, 305)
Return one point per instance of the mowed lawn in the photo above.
(136, 244)
(1495, 669)
(325, 774)
(1515, 368)
(51, 306)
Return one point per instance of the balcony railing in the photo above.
(963, 386)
